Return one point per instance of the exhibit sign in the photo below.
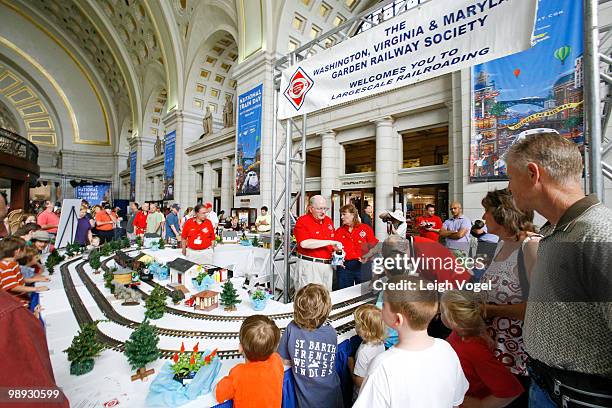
(169, 149)
(430, 40)
(248, 142)
(93, 193)
(535, 91)
(69, 219)
(132, 176)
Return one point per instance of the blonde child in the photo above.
(491, 383)
(419, 371)
(371, 328)
(309, 346)
(259, 381)
(30, 266)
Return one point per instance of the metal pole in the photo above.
(591, 95)
(287, 218)
(273, 193)
(303, 186)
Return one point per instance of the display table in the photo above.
(109, 382)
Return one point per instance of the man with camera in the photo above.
(429, 224)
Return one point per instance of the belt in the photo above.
(571, 388)
(311, 259)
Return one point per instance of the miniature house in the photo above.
(181, 271)
(206, 300)
(150, 240)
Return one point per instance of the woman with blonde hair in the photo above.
(357, 239)
(491, 383)
(509, 274)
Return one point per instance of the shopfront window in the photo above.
(313, 163)
(360, 157)
(427, 147)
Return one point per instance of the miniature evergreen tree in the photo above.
(115, 245)
(139, 241)
(69, 250)
(161, 243)
(125, 242)
(177, 296)
(229, 296)
(108, 279)
(83, 349)
(141, 347)
(106, 249)
(94, 261)
(255, 242)
(156, 303)
(50, 265)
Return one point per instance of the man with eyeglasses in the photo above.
(314, 233)
(456, 231)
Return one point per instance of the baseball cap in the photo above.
(41, 236)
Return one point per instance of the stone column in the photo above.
(329, 164)
(207, 187)
(385, 171)
(144, 152)
(227, 178)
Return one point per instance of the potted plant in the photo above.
(83, 349)
(259, 298)
(187, 365)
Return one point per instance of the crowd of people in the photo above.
(539, 336)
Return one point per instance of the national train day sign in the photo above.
(428, 41)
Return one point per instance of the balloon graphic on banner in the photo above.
(562, 53)
(517, 72)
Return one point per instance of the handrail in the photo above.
(15, 145)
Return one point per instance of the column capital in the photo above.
(383, 121)
(329, 132)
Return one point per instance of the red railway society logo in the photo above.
(299, 85)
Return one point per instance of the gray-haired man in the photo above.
(568, 322)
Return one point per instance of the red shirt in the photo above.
(307, 227)
(140, 223)
(356, 242)
(486, 374)
(198, 235)
(438, 262)
(10, 277)
(434, 221)
(48, 218)
(254, 384)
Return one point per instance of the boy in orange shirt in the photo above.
(258, 382)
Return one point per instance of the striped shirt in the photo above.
(10, 275)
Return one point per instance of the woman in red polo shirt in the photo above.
(357, 239)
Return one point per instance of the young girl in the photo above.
(370, 327)
(491, 383)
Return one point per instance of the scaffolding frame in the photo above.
(289, 149)
(598, 110)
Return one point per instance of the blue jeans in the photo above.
(538, 398)
(349, 275)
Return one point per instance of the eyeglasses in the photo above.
(321, 208)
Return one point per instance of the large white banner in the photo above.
(434, 39)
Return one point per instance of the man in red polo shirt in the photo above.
(314, 233)
(48, 220)
(198, 236)
(140, 221)
(429, 224)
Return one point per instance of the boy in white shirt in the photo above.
(419, 371)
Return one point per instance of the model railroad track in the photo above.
(83, 317)
(113, 315)
(365, 298)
